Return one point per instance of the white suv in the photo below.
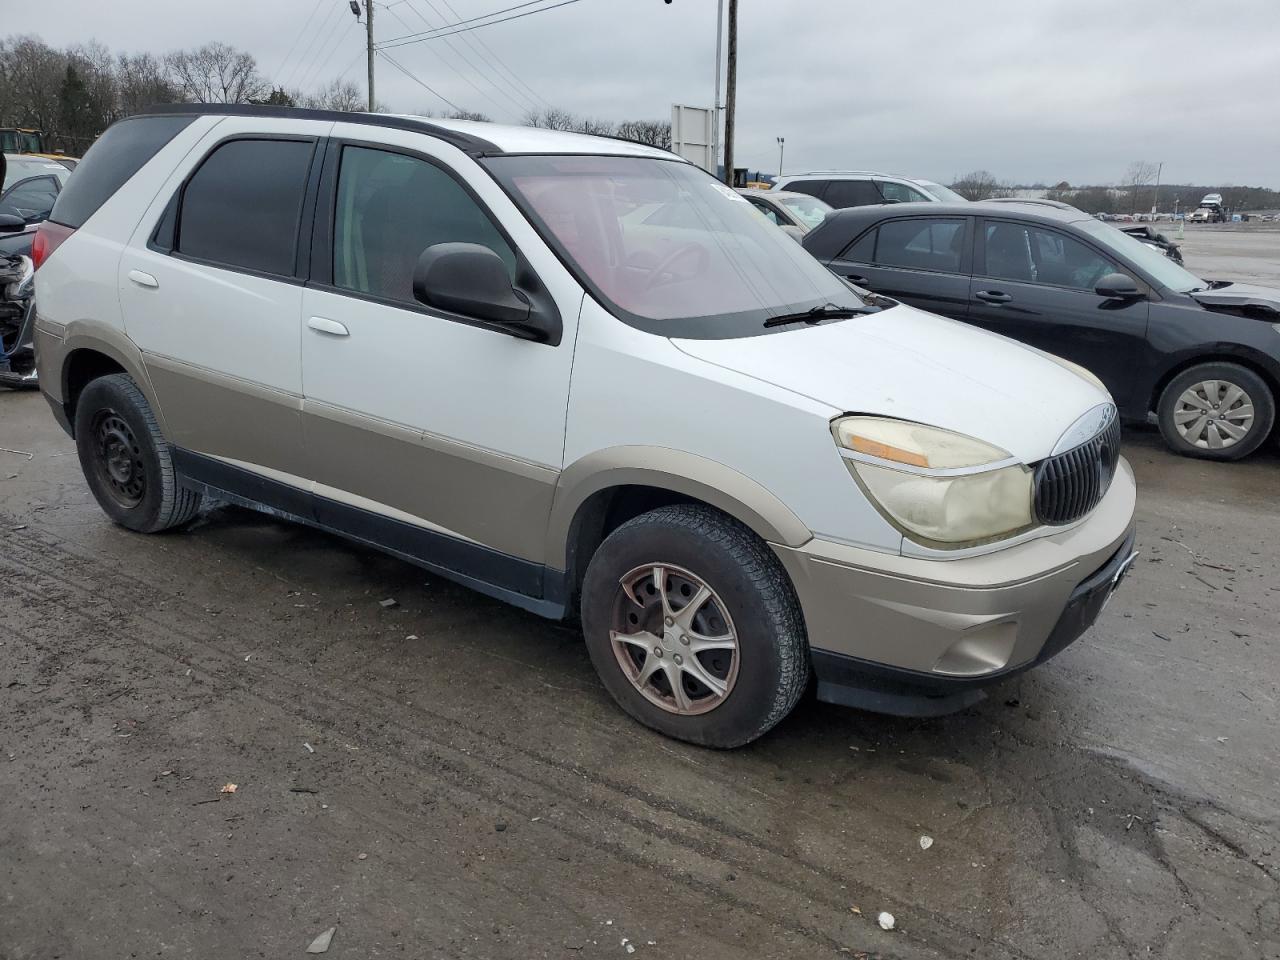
(861, 188)
(580, 375)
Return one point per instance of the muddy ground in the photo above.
(445, 778)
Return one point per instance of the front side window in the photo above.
(901, 193)
(769, 213)
(921, 244)
(661, 240)
(390, 208)
(1034, 255)
(242, 206)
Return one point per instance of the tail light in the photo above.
(49, 236)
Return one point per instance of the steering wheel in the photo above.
(663, 267)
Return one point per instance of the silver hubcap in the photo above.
(674, 639)
(1213, 414)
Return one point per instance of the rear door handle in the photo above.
(993, 296)
(325, 325)
(855, 278)
(143, 279)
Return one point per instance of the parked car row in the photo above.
(1200, 357)
(584, 377)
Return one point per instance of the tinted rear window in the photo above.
(242, 206)
(813, 188)
(113, 159)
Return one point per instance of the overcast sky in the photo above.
(1033, 90)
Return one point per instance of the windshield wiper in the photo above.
(828, 311)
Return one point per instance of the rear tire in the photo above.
(126, 460)
(1216, 411)
(703, 604)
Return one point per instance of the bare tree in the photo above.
(338, 95)
(552, 118)
(141, 82)
(33, 73)
(1141, 173)
(980, 185)
(215, 73)
(466, 115)
(656, 133)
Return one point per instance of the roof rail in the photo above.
(468, 143)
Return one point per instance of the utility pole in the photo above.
(715, 104)
(782, 145)
(368, 25)
(1155, 199)
(731, 92)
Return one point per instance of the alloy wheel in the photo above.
(674, 639)
(1213, 414)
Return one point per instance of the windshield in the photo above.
(945, 194)
(1152, 261)
(661, 241)
(809, 210)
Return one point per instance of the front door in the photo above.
(922, 261)
(451, 429)
(1036, 284)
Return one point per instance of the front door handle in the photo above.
(993, 296)
(325, 325)
(143, 279)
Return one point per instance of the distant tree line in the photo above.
(75, 93)
(1135, 192)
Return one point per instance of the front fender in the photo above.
(674, 470)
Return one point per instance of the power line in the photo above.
(521, 107)
(293, 46)
(326, 55)
(305, 56)
(462, 75)
(496, 59)
(394, 63)
(483, 16)
(460, 28)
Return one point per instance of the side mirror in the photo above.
(9, 223)
(1116, 286)
(470, 279)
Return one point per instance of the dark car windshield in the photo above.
(665, 245)
(1153, 262)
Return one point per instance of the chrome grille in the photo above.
(1071, 484)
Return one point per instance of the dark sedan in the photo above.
(1200, 357)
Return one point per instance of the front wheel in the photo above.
(693, 627)
(1216, 411)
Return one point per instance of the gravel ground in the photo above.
(445, 778)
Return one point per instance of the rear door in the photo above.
(1035, 283)
(211, 293)
(923, 261)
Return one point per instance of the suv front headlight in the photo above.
(938, 487)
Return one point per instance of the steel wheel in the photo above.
(1213, 414)
(118, 459)
(674, 639)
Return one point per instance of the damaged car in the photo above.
(1199, 357)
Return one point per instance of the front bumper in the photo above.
(921, 637)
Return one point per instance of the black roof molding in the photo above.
(468, 143)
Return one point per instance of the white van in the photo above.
(581, 375)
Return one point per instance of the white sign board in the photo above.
(691, 135)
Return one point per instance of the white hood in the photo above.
(913, 365)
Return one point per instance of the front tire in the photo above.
(126, 460)
(693, 627)
(1216, 411)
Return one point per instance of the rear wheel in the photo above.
(692, 625)
(1217, 411)
(126, 460)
